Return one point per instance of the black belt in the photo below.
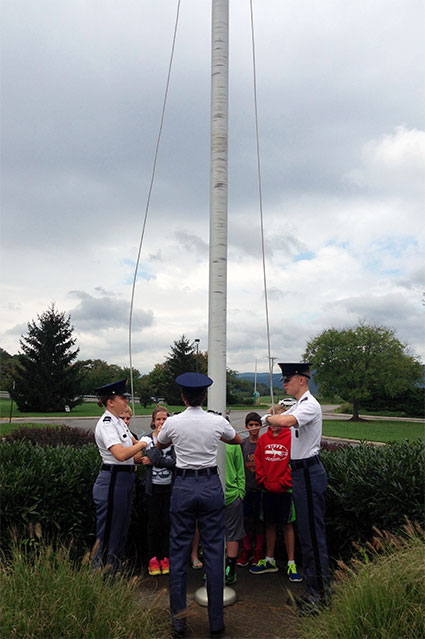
(304, 463)
(118, 468)
(195, 472)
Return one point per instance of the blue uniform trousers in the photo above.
(197, 498)
(112, 495)
(309, 490)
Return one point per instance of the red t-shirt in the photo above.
(272, 461)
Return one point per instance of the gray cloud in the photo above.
(375, 307)
(104, 313)
(193, 243)
(341, 128)
(18, 329)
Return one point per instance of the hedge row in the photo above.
(372, 486)
(368, 486)
(52, 436)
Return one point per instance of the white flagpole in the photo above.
(218, 235)
(218, 206)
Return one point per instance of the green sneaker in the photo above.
(264, 566)
(293, 574)
(230, 578)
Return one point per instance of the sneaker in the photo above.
(264, 566)
(230, 578)
(245, 557)
(258, 555)
(154, 567)
(293, 574)
(165, 566)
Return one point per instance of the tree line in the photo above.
(365, 365)
(46, 375)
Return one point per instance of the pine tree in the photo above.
(182, 359)
(47, 379)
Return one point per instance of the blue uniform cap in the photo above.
(301, 368)
(116, 388)
(194, 381)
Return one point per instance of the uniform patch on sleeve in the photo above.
(107, 418)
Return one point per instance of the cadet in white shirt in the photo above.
(113, 489)
(309, 482)
(197, 496)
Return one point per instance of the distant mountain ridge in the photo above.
(264, 378)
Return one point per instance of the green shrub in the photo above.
(372, 486)
(45, 594)
(379, 594)
(52, 486)
(326, 445)
(52, 436)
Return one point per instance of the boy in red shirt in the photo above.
(274, 477)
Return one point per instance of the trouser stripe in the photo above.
(109, 513)
(313, 534)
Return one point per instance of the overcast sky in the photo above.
(342, 136)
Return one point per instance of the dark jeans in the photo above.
(159, 521)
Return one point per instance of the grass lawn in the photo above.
(86, 409)
(374, 431)
(6, 428)
(382, 431)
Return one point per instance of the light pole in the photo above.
(197, 353)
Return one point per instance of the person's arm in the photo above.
(158, 459)
(240, 472)
(162, 446)
(284, 421)
(260, 475)
(235, 440)
(122, 453)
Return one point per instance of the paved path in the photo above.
(260, 611)
(141, 423)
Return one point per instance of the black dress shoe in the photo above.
(216, 634)
(178, 634)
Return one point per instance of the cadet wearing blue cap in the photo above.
(309, 481)
(113, 489)
(197, 496)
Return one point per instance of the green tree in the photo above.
(137, 378)
(182, 359)
(356, 363)
(8, 365)
(154, 384)
(47, 379)
(96, 373)
(238, 389)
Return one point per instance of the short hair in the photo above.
(252, 417)
(195, 396)
(127, 409)
(158, 409)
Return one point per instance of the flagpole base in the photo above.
(229, 596)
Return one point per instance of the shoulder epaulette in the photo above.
(304, 400)
(107, 418)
